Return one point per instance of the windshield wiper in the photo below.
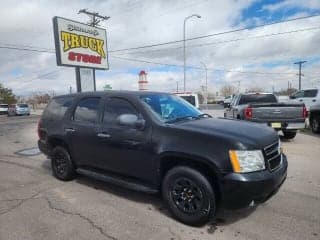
(178, 119)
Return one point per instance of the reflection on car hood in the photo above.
(240, 131)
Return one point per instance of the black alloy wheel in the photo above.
(189, 195)
(62, 166)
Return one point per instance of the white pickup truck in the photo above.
(309, 97)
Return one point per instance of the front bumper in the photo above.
(239, 190)
(22, 112)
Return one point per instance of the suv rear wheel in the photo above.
(289, 134)
(62, 166)
(189, 195)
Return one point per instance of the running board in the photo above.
(119, 181)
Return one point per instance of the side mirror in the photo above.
(292, 97)
(131, 120)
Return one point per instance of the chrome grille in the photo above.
(273, 155)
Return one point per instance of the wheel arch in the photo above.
(203, 165)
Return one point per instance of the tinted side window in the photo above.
(190, 99)
(57, 107)
(87, 110)
(298, 94)
(115, 107)
(310, 93)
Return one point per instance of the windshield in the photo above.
(257, 98)
(22, 105)
(170, 108)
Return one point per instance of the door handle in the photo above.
(313, 100)
(301, 100)
(131, 142)
(69, 130)
(104, 135)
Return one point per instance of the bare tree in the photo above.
(228, 90)
(255, 89)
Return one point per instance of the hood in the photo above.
(242, 134)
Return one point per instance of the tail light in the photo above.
(39, 129)
(248, 113)
(304, 112)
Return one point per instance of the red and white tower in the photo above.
(143, 82)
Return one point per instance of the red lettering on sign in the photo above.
(86, 58)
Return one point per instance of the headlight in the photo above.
(246, 161)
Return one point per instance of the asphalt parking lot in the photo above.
(34, 205)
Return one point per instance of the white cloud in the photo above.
(141, 22)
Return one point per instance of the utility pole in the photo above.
(177, 87)
(96, 18)
(184, 48)
(300, 74)
(206, 70)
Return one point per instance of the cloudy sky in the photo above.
(262, 56)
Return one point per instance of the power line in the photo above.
(216, 34)
(230, 40)
(26, 49)
(199, 68)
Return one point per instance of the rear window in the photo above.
(311, 93)
(257, 98)
(4, 105)
(22, 105)
(57, 107)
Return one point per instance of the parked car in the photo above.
(3, 108)
(19, 109)
(157, 142)
(192, 98)
(309, 97)
(265, 108)
(314, 118)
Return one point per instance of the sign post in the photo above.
(83, 47)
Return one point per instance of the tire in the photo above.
(289, 134)
(315, 124)
(189, 195)
(61, 164)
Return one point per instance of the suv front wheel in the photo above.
(61, 164)
(189, 195)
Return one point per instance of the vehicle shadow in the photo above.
(310, 133)
(222, 218)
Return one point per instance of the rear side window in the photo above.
(257, 98)
(115, 107)
(57, 107)
(87, 110)
(311, 93)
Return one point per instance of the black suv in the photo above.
(158, 142)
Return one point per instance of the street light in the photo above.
(206, 69)
(184, 48)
